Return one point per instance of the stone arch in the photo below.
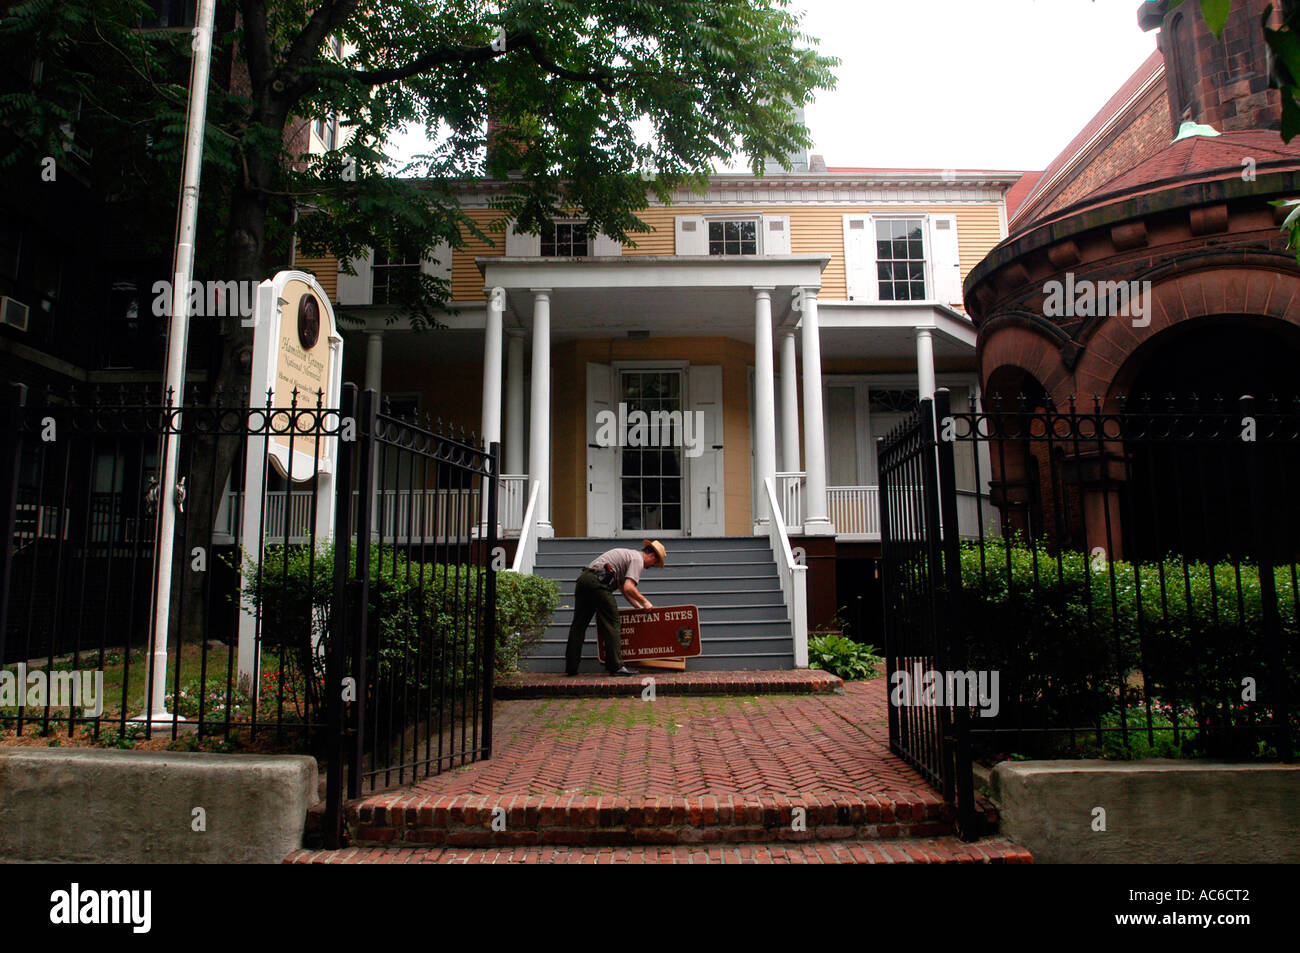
(1032, 345)
(1219, 293)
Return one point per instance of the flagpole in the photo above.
(177, 339)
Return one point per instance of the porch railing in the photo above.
(855, 513)
(789, 488)
(514, 500)
(854, 510)
(399, 516)
(793, 576)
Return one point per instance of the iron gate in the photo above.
(921, 577)
(414, 607)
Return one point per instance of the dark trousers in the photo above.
(591, 598)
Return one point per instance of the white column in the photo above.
(816, 521)
(374, 361)
(789, 406)
(764, 404)
(514, 445)
(925, 362)
(492, 369)
(491, 426)
(539, 448)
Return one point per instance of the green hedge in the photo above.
(1067, 631)
(424, 618)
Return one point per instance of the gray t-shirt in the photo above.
(627, 563)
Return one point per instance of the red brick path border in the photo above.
(944, 850)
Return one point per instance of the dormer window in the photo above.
(565, 240)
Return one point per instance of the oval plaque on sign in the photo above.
(308, 322)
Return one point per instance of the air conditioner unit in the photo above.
(13, 313)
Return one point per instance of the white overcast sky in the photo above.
(961, 84)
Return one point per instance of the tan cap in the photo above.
(658, 547)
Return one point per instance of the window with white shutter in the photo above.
(355, 289)
(692, 235)
(946, 259)
(860, 257)
(776, 235)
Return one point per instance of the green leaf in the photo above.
(1216, 15)
(1290, 115)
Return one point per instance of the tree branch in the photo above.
(469, 55)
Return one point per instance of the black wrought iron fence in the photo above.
(1135, 596)
(80, 490)
(414, 604)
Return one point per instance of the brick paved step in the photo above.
(467, 820)
(788, 682)
(928, 850)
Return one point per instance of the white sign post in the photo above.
(296, 345)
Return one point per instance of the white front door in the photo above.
(708, 514)
(652, 458)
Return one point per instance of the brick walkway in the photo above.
(691, 746)
(809, 681)
(682, 779)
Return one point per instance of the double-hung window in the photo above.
(565, 240)
(900, 258)
(390, 273)
(733, 236)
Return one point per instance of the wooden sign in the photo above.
(664, 632)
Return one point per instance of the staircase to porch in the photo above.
(744, 621)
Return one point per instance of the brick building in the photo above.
(1147, 258)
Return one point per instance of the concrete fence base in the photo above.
(96, 805)
(1154, 811)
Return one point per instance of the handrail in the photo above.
(793, 576)
(526, 553)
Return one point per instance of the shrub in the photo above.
(424, 623)
(842, 656)
(1071, 636)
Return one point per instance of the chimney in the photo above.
(1221, 82)
(798, 159)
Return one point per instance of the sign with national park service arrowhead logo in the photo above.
(663, 632)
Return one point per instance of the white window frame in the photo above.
(927, 246)
(586, 223)
(759, 220)
(387, 267)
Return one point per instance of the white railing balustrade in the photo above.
(398, 516)
(854, 511)
(513, 502)
(793, 575)
(789, 488)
